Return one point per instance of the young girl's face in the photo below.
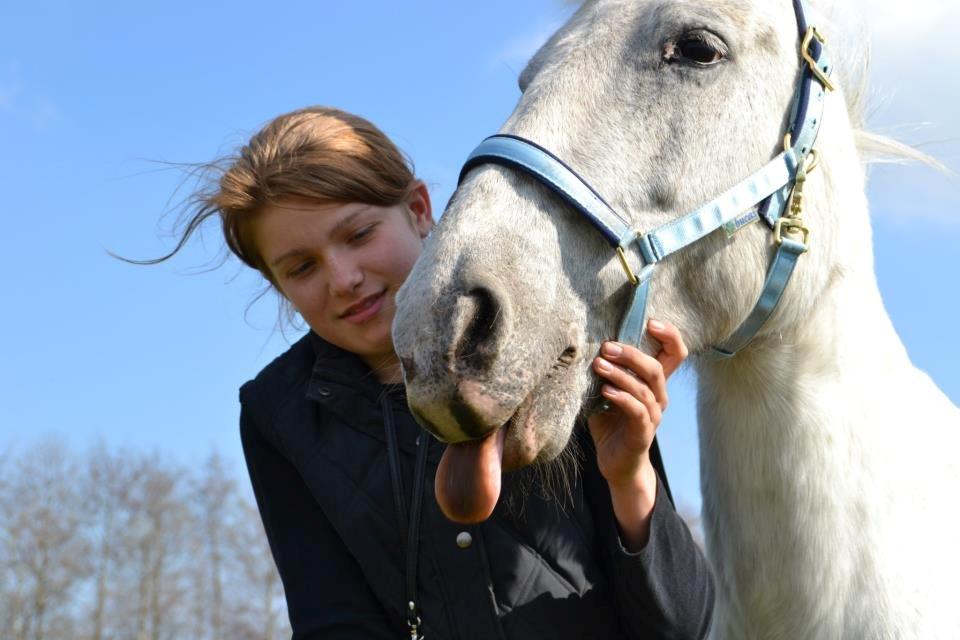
(340, 265)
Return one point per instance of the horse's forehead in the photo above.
(599, 24)
(740, 15)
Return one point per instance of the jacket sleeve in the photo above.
(666, 589)
(327, 595)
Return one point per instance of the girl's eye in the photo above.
(300, 269)
(699, 48)
(363, 234)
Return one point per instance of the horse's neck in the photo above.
(801, 395)
(794, 415)
(825, 455)
(816, 458)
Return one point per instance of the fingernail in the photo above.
(604, 365)
(609, 391)
(612, 349)
(656, 325)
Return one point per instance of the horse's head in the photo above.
(661, 106)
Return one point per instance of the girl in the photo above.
(327, 209)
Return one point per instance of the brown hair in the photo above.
(318, 154)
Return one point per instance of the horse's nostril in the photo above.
(481, 319)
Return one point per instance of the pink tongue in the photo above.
(468, 479)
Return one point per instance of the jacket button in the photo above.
(324, 392)
(464, 539)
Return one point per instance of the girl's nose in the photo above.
(345, 277)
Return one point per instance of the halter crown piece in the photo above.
(773, 194)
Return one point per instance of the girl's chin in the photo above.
(374, 344)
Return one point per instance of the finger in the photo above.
(673, 350)
(645, 367)
(623, 380)
(640, 425)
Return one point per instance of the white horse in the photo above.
(828, 461)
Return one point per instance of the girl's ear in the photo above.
(421, 210)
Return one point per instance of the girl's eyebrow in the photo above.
(289, 254)
(348, 220)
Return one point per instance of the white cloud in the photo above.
(898, 22)
(913, 46)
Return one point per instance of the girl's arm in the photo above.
(661, 580)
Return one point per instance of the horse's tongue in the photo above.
(468, 479)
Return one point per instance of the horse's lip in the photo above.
(511, 446)
(518, 449)
(522, 411)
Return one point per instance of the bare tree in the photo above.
(45, 550)
(144, 592)
(106, 492)
(129, 546)
(12, 597)
(214, 500)
(264, 616)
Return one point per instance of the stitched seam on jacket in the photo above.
(543, 562)
(485, 563)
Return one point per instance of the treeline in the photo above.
(120, 545)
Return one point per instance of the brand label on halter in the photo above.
(740, 222)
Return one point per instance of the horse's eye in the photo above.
(698, 51)
(699, 48)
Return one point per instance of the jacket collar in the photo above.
(342, 384)
(343, 368)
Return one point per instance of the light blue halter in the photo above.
(777, 188)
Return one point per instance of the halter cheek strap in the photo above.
(776, 188)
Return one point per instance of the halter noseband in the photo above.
(773, 194)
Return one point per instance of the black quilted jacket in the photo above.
(312, 425)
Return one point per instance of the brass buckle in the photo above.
(795, 204)
(626, 266)
(791, 225)
(805, 52)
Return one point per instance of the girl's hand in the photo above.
(636, 388)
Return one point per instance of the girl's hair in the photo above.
(318, 154)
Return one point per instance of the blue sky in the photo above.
(96, 101)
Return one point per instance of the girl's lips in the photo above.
(365, 309)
